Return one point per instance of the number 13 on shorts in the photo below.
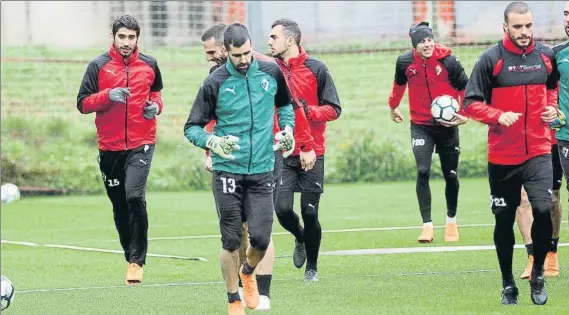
(228, 185)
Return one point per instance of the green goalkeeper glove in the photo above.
(559, 122)
(285, 141)
(223, 146)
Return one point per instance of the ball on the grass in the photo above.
(9, 192)
(7, 294)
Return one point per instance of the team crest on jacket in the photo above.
(265, 84)
(438, 69)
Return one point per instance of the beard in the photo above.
(127, 54)
(515, 41)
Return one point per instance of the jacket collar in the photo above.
(298, 60)
(513, 48)
(236, 73)
(115, 55)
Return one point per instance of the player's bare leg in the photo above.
(244, 244)
(264, 276)
(229, 270)
(524, 218)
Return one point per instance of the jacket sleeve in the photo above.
(209, 129)
(302, 134)
(156, 88)
(478, 93)
(399, 84)
(90, 99)
(202, 112)
(551, 84)
(328, 108)
(457, 76)
(283, 101)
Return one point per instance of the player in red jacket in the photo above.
(123, 88)
(311, 83)
(215, 52)
(512, 89)
(430, 70)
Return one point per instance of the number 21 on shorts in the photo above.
(228, 185)
(497, 202)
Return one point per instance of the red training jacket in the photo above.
(441, 74)
(312, 86)
(508, 78)
(121, 126)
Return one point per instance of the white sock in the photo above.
(451, 220)
(428, 224)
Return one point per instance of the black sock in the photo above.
(554, 242)
(264, 284)
(248, 270)
(232, 297)
(529, 249)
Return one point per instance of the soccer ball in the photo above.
(9, 192)
(559, 122)
(443, 108)
(7, 293)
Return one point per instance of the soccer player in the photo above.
(123, 88)
(431, 70)
(215, 52)
(519, 144)
(241, 97)
(309, 81)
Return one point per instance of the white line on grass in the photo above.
(180, 284)
(396, 228)
(408, 250)
(345, 252)
(99, 250)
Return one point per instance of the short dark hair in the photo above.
(290, 27)
(517, 7)
(235, 35)
(128, 22)
(215, 31)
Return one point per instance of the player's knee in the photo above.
(423, 173)
(451, 175)
(260, 241)
(134, 195)
(231, 242)
(284, 205)
(542, 207)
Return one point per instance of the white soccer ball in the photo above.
(443, 108)
(9, 193)
(8, 293)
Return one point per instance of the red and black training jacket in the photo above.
(311, 84)
(120, 126)
(507, 78)
(441, 74)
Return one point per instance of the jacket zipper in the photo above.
(427, 82)
(526, 121)
(126, 111)
(252, 124)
